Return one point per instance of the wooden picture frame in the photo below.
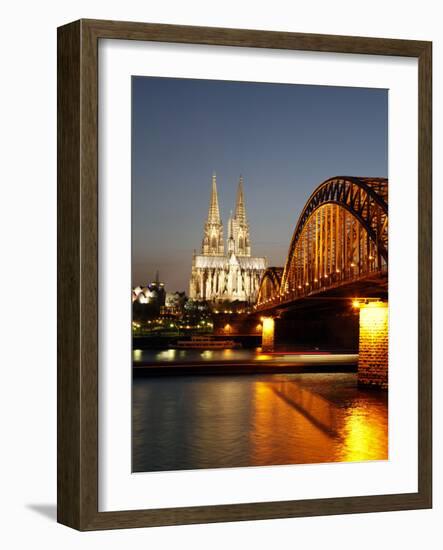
(78, 274)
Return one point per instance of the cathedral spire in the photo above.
(240, 224)
(213, 244)
(217, 276)
(214, 211)
(240, 209)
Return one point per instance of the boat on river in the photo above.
(206, 342)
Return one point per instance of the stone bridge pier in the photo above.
(363, 330)
(373, 345)
(268, 334)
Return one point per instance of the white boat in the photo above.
(206, 342)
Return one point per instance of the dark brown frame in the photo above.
(77, 274)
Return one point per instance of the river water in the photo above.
(177, 356)
(190, 422)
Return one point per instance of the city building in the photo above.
(153, 293)
(174, 304)
(226, 274)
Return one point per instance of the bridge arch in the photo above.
(341, 235)
(269, 284)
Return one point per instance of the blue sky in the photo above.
(284, 139)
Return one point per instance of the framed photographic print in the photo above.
(244, 275)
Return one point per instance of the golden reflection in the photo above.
(282, 435)
(292, 424)
(257, 421)
(167, 355)
(320, 411)
(365, 435)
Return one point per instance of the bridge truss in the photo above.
(340, 237)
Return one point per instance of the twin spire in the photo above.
(214, 210)
(238, 228)
(240, 209)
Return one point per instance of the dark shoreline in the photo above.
(237, 368)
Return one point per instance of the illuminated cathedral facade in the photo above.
(226, 273)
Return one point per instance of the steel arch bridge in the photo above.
(341, 236)
(270, 283)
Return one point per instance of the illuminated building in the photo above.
(153, 293)
(174, 304)
(226, 276)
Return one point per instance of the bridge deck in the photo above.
(369, 285)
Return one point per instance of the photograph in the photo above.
(259, 274)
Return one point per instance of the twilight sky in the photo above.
(284, 139)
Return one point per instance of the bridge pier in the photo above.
(373, 345)
(268, 331)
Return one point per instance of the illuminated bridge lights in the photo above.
(358, 303)
(340, 237)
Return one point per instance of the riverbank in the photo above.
(256, 364)
(166, 340)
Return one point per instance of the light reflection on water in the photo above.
(194, 355)
(193, 422)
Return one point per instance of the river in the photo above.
(195, 421)
(240, 356)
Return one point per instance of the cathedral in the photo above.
(231, 273)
